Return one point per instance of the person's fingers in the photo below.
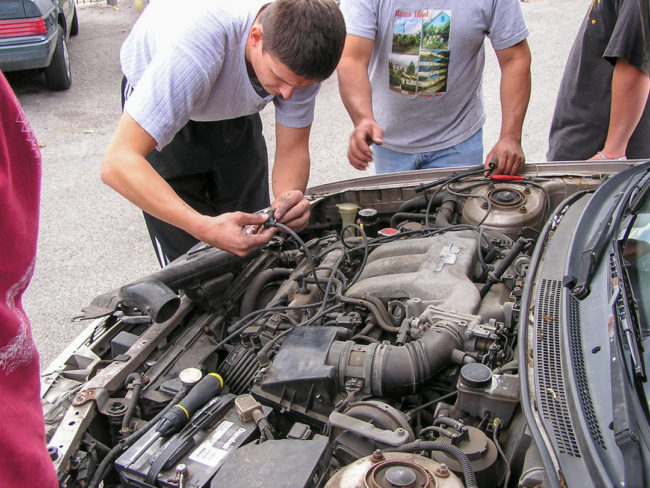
(285, 202)
(357, 159)
(296, 212)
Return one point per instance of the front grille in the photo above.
(548, 368)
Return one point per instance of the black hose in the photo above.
(468, 472)
(136, 379)
(405, 216)
(304, 247)
(376, 306)
(257, 285)
(494, 277)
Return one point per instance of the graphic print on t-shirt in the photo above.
(419, 60)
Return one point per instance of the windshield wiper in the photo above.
(626, 318)
(589, 258)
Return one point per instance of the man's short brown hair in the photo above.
(305, 35)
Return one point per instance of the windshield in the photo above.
(636, 255)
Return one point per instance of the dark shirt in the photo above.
(612, 29)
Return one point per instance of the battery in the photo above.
(202, 446)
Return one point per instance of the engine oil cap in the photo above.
(476, 375)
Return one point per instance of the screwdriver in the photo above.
(177, 416)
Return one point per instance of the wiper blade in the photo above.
(624, 318)
(624, 202)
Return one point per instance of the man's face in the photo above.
(276, 78)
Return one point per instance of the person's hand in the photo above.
(365, 133)
(292, 209)
(509, 155)
(236, 232)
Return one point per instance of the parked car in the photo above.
(427, 329)
(34, 35)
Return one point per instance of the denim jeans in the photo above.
(466, 153)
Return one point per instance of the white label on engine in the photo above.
(213, 450)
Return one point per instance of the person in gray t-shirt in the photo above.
(410, 77)
(188, 148)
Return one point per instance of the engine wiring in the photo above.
(325, 270)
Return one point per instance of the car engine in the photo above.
(376, 348)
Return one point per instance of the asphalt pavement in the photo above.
(92, 240)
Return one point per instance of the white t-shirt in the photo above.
(186, 61)
(427, 64)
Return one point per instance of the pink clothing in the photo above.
(24, 460)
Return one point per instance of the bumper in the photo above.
(27, 52)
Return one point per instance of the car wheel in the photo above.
(57, 74)
(74, 25)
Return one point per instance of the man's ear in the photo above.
(256, 35)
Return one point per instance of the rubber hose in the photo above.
(135, 398)
(257, 285)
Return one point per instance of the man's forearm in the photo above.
(630, 88)
(291, 164)
(125, 169)
(355, 90)
(138, 182)
(290, 175)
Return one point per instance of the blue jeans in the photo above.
(466, 153)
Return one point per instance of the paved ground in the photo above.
(92, 240)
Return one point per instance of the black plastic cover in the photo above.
(299, 378)
(284, 463)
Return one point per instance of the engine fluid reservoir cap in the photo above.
(400, 476)
(388, 231)
(475, 375)
(189, 376)
(367, 213)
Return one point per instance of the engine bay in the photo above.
(376, 348)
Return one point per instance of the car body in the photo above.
(429, 328)
(34, 35)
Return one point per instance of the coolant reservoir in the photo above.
(512, 207)
(348, 212)
(395, 469)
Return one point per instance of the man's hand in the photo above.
(233, 232)
(292, 209)
(509, 155)
(367, 132)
